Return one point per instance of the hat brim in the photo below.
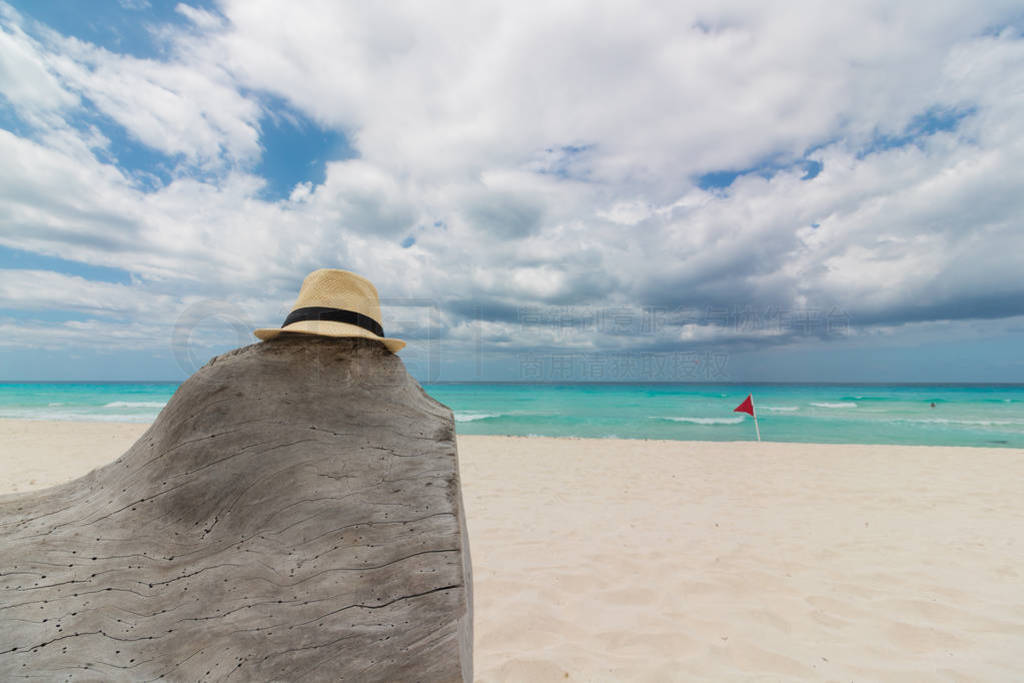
(328, 328)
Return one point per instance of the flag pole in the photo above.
(754, 411)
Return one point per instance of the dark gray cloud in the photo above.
(504, 216)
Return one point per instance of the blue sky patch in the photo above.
(10, 121)
(408, 242)
(295, 149)
(124, 26)
(934, 120)
(150, 168)
(811, 169)
(28, 260)
(718, 180)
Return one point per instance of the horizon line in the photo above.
(575, 382)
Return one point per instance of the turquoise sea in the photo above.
(896, 414)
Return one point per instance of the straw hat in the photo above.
(335, 303)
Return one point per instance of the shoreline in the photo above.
(629, 440)
(603, 559)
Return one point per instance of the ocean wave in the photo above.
(781, 409)
(701, 420)
(53, 405)
(473, 416)
(872, 398)
(826, 404)
(136, 404)
(70, 416)
(944, 420)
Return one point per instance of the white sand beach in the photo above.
(608, 560)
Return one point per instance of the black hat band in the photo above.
(334, 315)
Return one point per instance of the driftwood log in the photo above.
(294, 513)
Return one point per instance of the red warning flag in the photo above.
(746, 407)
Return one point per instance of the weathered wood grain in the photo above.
(294, 513)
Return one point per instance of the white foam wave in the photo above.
(472, 416)
(70, 416)
(843, 404)
(53, 405)
(983, 423)
(701, 420)
(136, 404)
(782, 409)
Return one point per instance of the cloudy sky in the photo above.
(740, 191)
